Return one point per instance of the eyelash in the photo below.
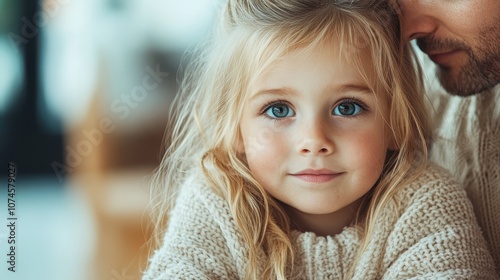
(271, 104)
(356, 101)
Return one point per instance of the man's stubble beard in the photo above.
(481, 73)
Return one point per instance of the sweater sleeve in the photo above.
(437, 236)
(195, 245)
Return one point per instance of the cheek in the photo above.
(368, 151)
(471, 16)
(264, 149)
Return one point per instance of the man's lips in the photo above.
(316, 175)
(442, 57)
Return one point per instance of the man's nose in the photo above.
(417, 17)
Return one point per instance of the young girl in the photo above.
(298, 151)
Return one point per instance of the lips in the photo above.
(442, 57)
(441, 51)
(316, 175)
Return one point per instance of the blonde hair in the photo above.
(204, 121)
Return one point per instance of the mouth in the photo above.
(442, 57)
(316, 175)
(442, 51)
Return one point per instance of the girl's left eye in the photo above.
(347, 109)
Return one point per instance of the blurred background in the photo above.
(85, 87)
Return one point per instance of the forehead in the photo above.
(320, 66)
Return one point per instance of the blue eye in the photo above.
(279, 111)
(347, 109)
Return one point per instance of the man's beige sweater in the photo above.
(467, 143)
(434, 236)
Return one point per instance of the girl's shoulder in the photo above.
(434, 183)
(434, 173)
(199, 203)
(195, 193)
(194, 187)
(202, 240)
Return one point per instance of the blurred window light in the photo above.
(91, 40)
(68, 56)
(11, 67)
(68, 75)
(177, 24)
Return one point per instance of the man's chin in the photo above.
(466, 82)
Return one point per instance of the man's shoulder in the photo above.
(456, 117)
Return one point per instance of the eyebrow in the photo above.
(342, 89)
(284, 91)
(353, 87)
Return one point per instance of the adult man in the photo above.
(462, 38)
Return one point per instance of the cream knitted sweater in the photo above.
(467, 142)
(435, 236)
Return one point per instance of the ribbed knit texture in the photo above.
(435, 236)
(467, 142)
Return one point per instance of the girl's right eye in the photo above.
(279, 111)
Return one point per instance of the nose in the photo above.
(418, 20)
(315, 139)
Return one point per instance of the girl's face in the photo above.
(315, 135)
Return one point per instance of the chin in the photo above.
(315, 210)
